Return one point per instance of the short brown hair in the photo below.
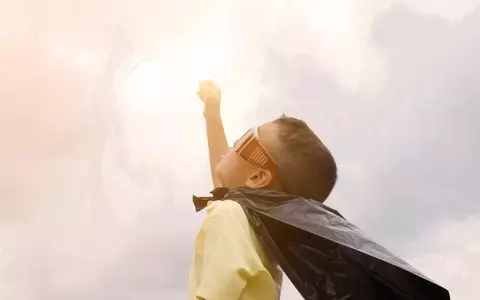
(306, 167)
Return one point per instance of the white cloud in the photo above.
(91, 229)
(449, 10)
(453, 256)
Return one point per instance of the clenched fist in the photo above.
(209, 93)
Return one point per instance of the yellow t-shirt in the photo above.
(229, 262)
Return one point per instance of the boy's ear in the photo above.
(260, 179)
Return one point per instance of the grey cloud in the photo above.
(407, 153)
(429, 172)
(407, 157)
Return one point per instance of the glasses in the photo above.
(252, 149)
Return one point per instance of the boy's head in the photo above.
(284, 154)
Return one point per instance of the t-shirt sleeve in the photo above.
(229, 256)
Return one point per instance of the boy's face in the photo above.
(248, 163)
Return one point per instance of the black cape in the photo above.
(325, 256)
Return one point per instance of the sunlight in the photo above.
(331, 18)
(144, 88)
(173, 77)
(60, 49)
(159, 97)
(79, 59)
(202, 60)
(82, 59)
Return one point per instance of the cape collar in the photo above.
(217, 194)
(264, 196)
(255, 195)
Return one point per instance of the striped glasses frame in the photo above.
(251, 148)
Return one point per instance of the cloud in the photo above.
(405, 151)
(453, 256)
(93, 213)
(444, 8)
(431, 90)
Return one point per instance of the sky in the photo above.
(102, 140)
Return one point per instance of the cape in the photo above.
(325, 256)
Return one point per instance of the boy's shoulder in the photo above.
(226, 210)
(223, 206)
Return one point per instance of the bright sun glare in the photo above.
(174, 76)
(330, 18)
(171, 77)
(174, 79)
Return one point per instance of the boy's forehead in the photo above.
(268, 133)
(266, 128)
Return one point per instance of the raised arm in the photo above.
(210, 94)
